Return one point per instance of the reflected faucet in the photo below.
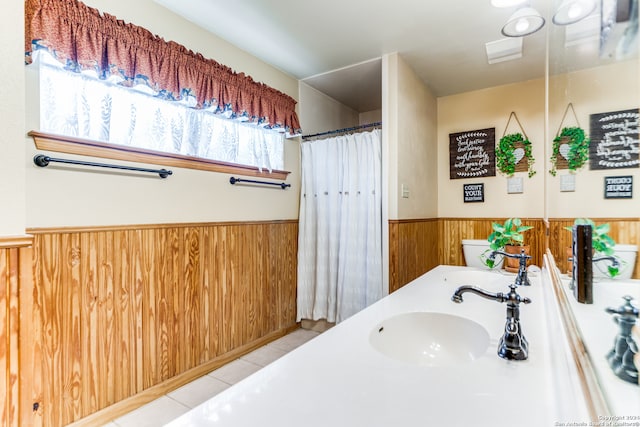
(513, 345)
(624, 349)
(615, 263)
(522, 279)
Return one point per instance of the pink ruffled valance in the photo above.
(83, 38)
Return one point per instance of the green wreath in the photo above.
(505, 157)
(578, 148)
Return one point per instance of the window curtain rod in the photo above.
(345, 130)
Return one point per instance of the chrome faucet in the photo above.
(624, 349)
(513, 344)
(521, 278)
(615, 263)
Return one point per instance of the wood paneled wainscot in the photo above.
(418, 245)
(16, 355)
(413, 250)
(625, 231)
(127, 314)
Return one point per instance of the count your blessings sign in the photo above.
(472, 154)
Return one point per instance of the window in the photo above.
(80, 105)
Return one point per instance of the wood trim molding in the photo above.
(16, 241)
(411, 221)
(94, 228)
(594, 398)
(87, 147)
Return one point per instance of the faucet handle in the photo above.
(626, 311)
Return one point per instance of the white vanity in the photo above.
(352, 376)
(597, 331)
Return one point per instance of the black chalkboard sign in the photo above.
(472, 154)
(618, 187)
(473, 193)
(614, 140)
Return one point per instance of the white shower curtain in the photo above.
(340, 231)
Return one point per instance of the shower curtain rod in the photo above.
(331, 132)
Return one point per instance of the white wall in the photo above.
(370, 116)
(592, 91)
(58, 196)
(486, 108)
(321, 113)
(410, 127)
(12, 111)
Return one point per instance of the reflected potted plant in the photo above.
(511, 149)
(571, 145)
(508, 237)
(601, 243)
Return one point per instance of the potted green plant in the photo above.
(601, 242)
(509, 238)
(510, 150)
(571, 144)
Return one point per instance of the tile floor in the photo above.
(180, 401)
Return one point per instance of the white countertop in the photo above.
(598, 331)
(338, 379)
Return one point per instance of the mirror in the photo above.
(594, 70)
(592, 74)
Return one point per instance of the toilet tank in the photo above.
(475, 251)
(627, 256)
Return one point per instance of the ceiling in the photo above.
(336, 45)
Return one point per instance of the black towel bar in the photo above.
(282, 185)
(42, 161)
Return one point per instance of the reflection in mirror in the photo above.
(594, 74)
(594, 68)
(593, 336)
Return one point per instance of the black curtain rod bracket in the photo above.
(43, 161)
(282, 185)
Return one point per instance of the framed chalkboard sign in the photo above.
(614, 140)
(472, 154)
(618, 187)
(473, 193)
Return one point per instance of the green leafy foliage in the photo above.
(578, 148)
(505, 157)
(509, 233)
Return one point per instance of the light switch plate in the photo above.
(567, 182)
(514, 185)
(405, 191)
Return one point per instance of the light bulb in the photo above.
(575, 10)
(522, 25)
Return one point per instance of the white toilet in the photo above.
(627, 256)
(475, 251)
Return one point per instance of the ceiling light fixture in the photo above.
(507, 3)
(523, 22)
(572, 11)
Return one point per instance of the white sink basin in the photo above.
(430, 339)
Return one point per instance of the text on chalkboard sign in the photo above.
(618, 187)
(473, 193)
(614, 140)
(472, 154)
